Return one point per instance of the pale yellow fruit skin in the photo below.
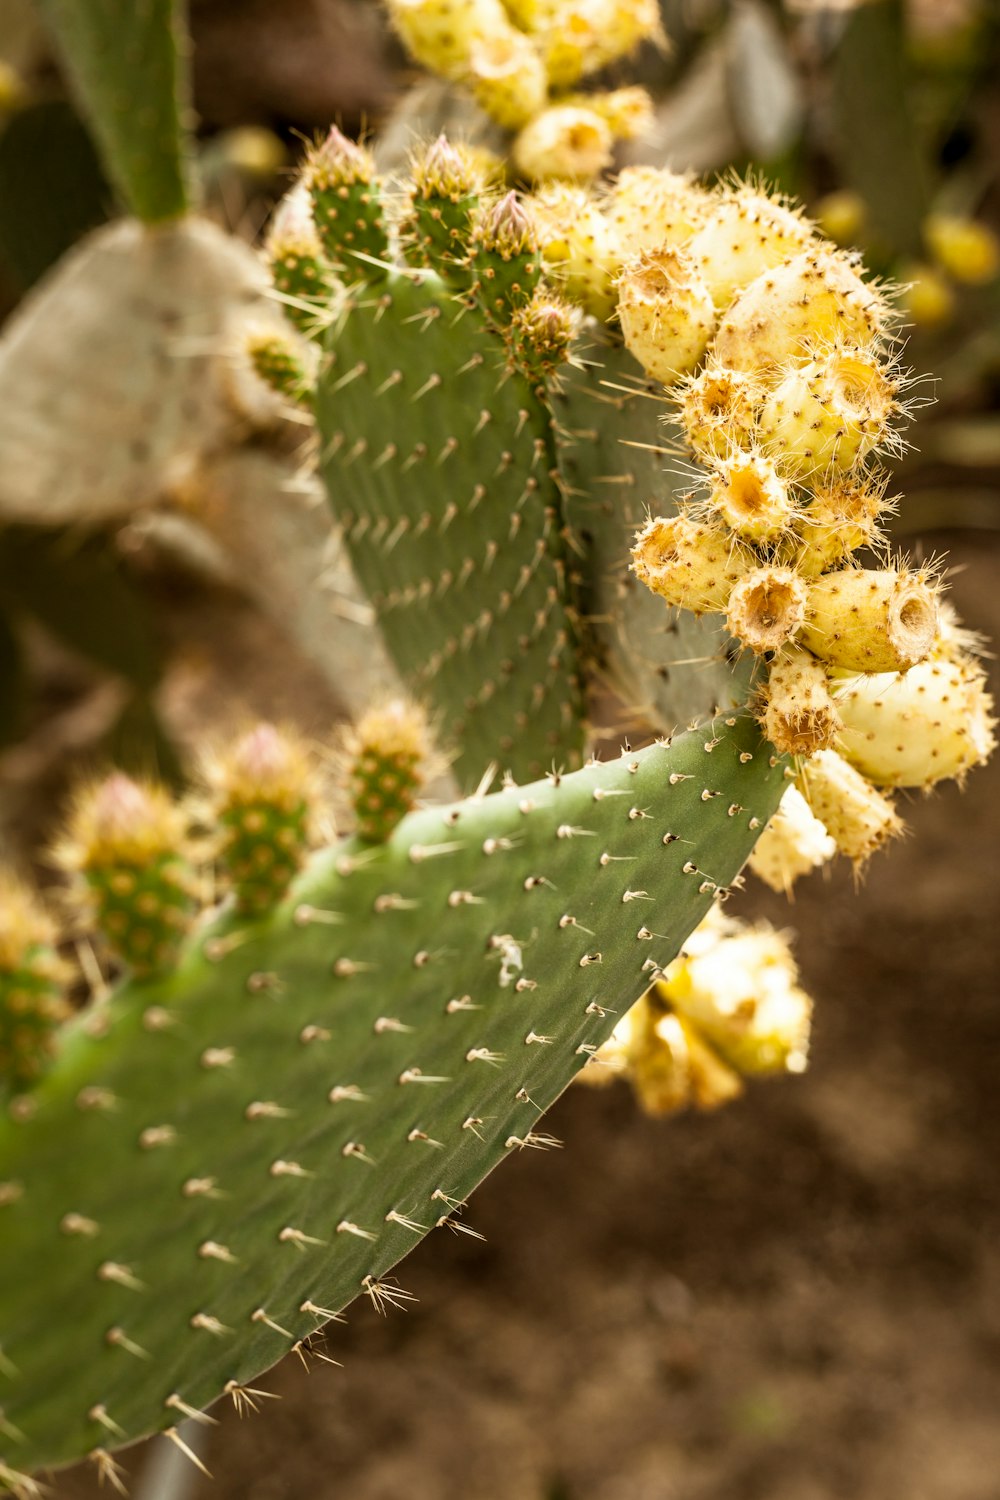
(666, 314)
(798, 714)
(842, 516)
(828, 414)
(815, 301)
(749, 495)
(747, 234)
(870, 620)
(919, 727)
(579, 36)
(508, 78)
(441, 34)
(565, 142)
(856, 816)
(689, 564)
(793, 844)
(766, 608)
(718, 410)
(651, 207)
(578, 246)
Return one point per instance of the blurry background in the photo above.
(799, 1297)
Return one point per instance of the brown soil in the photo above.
(795, 1299)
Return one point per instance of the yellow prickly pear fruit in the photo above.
(750, 496)
(628, 111)
(578, 247)
(579, 36)
(737, 986)
(965, 248)
(816, 300)
(842, 516)
(918, 727)
(387, 754)
(566, 143)
(870, 620)
(829, 413)
(797, 711)
(746, 234)
(508, 78)
(32, 980)
(671, 1068)
(792, 844)
(841, 216)
(718, 411)
(856, 816)
(928, 299)
(441, 34)
(651, 207)
(689, 564)
(766, 608)
(666, 313)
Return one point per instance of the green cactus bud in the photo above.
(299, 270)
(666, 313)
(277, 362)
(32, 983)
(444, 197)
(347, 205)
(506, 260)
(871, 620)
(387, 754)
(540, 336)
(264, 799)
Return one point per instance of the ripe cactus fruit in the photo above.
(688, 563)
(507, 76)
(766, 608)
(667, 1063)
(751, 497)
(797, 711)
(566, 142)
(666, 312)
(814, 301)
(32, 983)
(871, 620)
(127, 844)
(793, 844)
(628, 111)
(579, 250)
(967, 249)
(442, 34)
(842, 516)
(717, 409)
(858, 818)
(263, 800)
(828, 414)
(387, 755)
(650, 207)
(346, 204)
(749, 232)
(918, 727)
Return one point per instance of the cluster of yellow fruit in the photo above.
(523, 59)
(728, 1007)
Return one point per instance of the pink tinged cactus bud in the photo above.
(264, 798)
(793, 844)
(815, 301)
(339, 162)
(766, 608)
(565, 143)
(797, 711)
(858, 818)
(718, 410)
(748, 494)
(747, 234)
(666, 313)
(651, 208)
(689, 564)
(828, 414)
(507, 76)
(919, 727)
(508, 229)
(867, 620)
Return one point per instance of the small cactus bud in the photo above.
(263, 801)
(690, 565)
(508, 78)
(870, 620)
(437, 228)
(828, 414)
(541, 335)
(928, 298)
(347, 204)
(718, 411)
(578, 248)
(666, 313)
(918, 727)
(842, 516)
(506, 262)
(298, 268)
(815, 301)
(441, 34)
(747, 234)
(651, 207)
(564, 142)
(748, 494)
(127, 841)
(387, 754)
(857, 817)
(766, 608)
(278, 363)
(32, 983)
(841, 216)
(792, 844)
(797, 712)
(965, 248)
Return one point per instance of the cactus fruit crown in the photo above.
(314, 1073)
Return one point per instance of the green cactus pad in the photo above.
(220, 1160)
(438, 467)
(128, 62)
